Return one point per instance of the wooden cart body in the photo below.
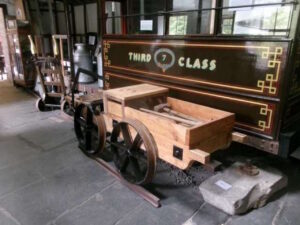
(177, 143)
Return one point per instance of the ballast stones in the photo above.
(235, 192)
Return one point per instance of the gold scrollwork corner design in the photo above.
(266, 124)
(107, 84)
(106, 48)
(270, 83)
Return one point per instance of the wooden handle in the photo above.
(239, 137)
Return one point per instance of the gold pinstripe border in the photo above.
(265, 110)
(269, 84)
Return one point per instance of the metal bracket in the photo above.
(177, 152)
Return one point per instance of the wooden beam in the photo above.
(38, 17)
(52, 22)
(70, 39)
(239, 137)
(85, 20)
(56, 19)
(27, 11)
(99, 13)
(73, 23)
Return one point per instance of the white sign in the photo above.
(147, 25)
(224, 185)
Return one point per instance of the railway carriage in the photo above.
(234, 55)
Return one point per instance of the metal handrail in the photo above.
(294, 2)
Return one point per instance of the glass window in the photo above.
(191, 22)
(256, 20)
(146, 24)
(178, 25)
(113, 25)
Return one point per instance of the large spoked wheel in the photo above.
(90, 130)
(135, 151)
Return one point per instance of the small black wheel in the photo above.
(135, 151)
(90, 130)
(65, 107)
(40, 105)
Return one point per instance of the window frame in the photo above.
(217, 23)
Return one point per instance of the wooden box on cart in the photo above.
(179, 142)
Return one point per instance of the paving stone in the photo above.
(14, 178)
(50, 162)
(104, 208)
(262, 216)
(288, 214)
(6, 218)
(207, 215)
(23, 117)
(179, 203)
(42, 202)
(14, 150)
(49, 134)
(182, 197)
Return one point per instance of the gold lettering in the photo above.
(143, 57)
(213, 65)
(188, 63)
(137, 57)
(197, 64)
(130, 56)
(148, 58)
(181, 62)
(205, 64)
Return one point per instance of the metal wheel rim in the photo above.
(98, 139)
(40, 105)
(126, 157)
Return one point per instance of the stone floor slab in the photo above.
(14, 150)
(105, 208)
(42, 202)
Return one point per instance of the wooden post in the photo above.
(53, 28)
(85, 20)
(61, 55)
(27, 11)
(73, 23)
(55, 14)
(99, 24)
(70, 39)
(38, 17)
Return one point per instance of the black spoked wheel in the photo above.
(40, 105)
(90, 130)
(135, 151)
(65, 107)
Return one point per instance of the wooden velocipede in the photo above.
(141, 124)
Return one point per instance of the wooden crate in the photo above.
(194, 142)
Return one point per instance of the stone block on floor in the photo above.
(235, 192)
